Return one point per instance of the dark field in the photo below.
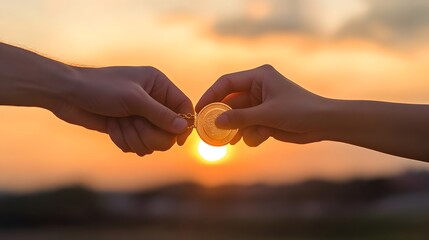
(385, 208)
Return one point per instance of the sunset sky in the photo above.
(350, 49)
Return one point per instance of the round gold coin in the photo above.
(206, 127)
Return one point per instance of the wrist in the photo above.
(327, 121)
(337, 120)
(57, 86)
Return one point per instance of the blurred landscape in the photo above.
(382, 208)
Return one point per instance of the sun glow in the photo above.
(211, 154)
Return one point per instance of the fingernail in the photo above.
(179, 125)
(222, 121)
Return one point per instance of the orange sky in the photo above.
(37, 150)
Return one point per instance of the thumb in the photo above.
(163, 117)
(240, 118)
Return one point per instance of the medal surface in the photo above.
(207, 129)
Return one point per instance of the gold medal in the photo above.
(206, 127)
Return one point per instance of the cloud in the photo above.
(279, 16)
(383, 21)
(391, 21)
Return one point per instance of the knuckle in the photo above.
(223, 77)
(141, 154)
(124, 148)
(225, 80)
(188, 103)
(213, 93)
(146, 148)
(145, 151)
(152, 71)
(267, 67)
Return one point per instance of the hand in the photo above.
(136, 106)
(265, 104)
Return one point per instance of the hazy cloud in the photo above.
(274, 16)
(391, 21)
(386, 21)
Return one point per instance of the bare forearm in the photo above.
(398, 129)
(136, 106)
(28, 79)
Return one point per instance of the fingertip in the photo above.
(253, 142)
(181, 139)
(249, 142)
(236, 138)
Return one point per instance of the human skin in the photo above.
(267, 104)
(137, 106)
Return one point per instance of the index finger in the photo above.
(178, 102)
(168, 94)
(227, 84)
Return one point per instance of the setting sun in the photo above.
(211, 154)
